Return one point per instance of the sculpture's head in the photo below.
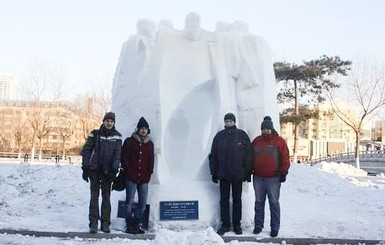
(239, 26)
(192, 23)
(222, 26)
(146, 27)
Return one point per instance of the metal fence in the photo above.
(377, 155)
(26, 157)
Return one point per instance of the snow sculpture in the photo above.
(183, 82)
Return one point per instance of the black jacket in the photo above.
(231, 153)
(101, 152)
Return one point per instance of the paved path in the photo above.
(100, 235)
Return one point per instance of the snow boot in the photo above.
(140, 229)
(238, 230)
(223, 230)
(130, 226)
(93, 228)
(274, 233)
(105, 227)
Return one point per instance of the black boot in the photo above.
(130, 226)
(94, 227)
(238, 230)
(140, 229)
(223, 230)
(105, 227)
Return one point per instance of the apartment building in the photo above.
(8, 87)
(325, 135)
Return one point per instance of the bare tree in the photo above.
(364, 90)
(20, 134)
(40, 124)
(45, 82)
(101, 96)
(65, 131)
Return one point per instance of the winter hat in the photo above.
(267, 123)
(230, 116)
(109, 115)
(142, 123)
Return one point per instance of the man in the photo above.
(138, 165)
(270, 166)
(101, 158)
(230, 163)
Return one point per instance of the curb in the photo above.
(100, 235)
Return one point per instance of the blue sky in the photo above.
(84, 37)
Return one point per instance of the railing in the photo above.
(350, 156)
(26, 157)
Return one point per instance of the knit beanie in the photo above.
(109, 115)
(142, 123)
(230, 116)
(267, 123)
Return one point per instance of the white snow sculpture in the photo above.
(183, 82)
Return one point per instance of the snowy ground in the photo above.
(329, 200)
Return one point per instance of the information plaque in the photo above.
(179, 210)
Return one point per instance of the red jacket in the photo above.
(138, 159)
(270, 156)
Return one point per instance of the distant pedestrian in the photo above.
(138, 166)
(230, 164)
(57, 158)
(101, 159)
(26, 157)
(271, 162)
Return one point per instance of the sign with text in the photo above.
(179, 210)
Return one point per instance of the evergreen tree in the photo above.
(305, 85)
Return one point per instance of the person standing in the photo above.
(271, 162)
(138, 165)
(100, 163)
(230, 164)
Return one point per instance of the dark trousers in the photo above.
(97, 182)
(236, 189)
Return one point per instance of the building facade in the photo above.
(48, 128)
(8, 87)
(322, 136)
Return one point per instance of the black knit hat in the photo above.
(267, 123)
(142, 123)
(230, 116)
(109, 115)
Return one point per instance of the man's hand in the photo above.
(282, 178)
(248, 176)
(86, 173)
(214, 179)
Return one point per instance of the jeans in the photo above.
(269, 187)
(131, 188)
(97, 182)
(236, 189)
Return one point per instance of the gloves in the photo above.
(214, 179)
(112, 175)
(86, 173)
(282, 178)
(248, 178)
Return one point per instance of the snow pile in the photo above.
(341, 169)
(314, 203)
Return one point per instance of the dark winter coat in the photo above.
(270, 156)
(138, 158)
(102, 150)
(230, 157)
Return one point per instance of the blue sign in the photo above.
(179, 210)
